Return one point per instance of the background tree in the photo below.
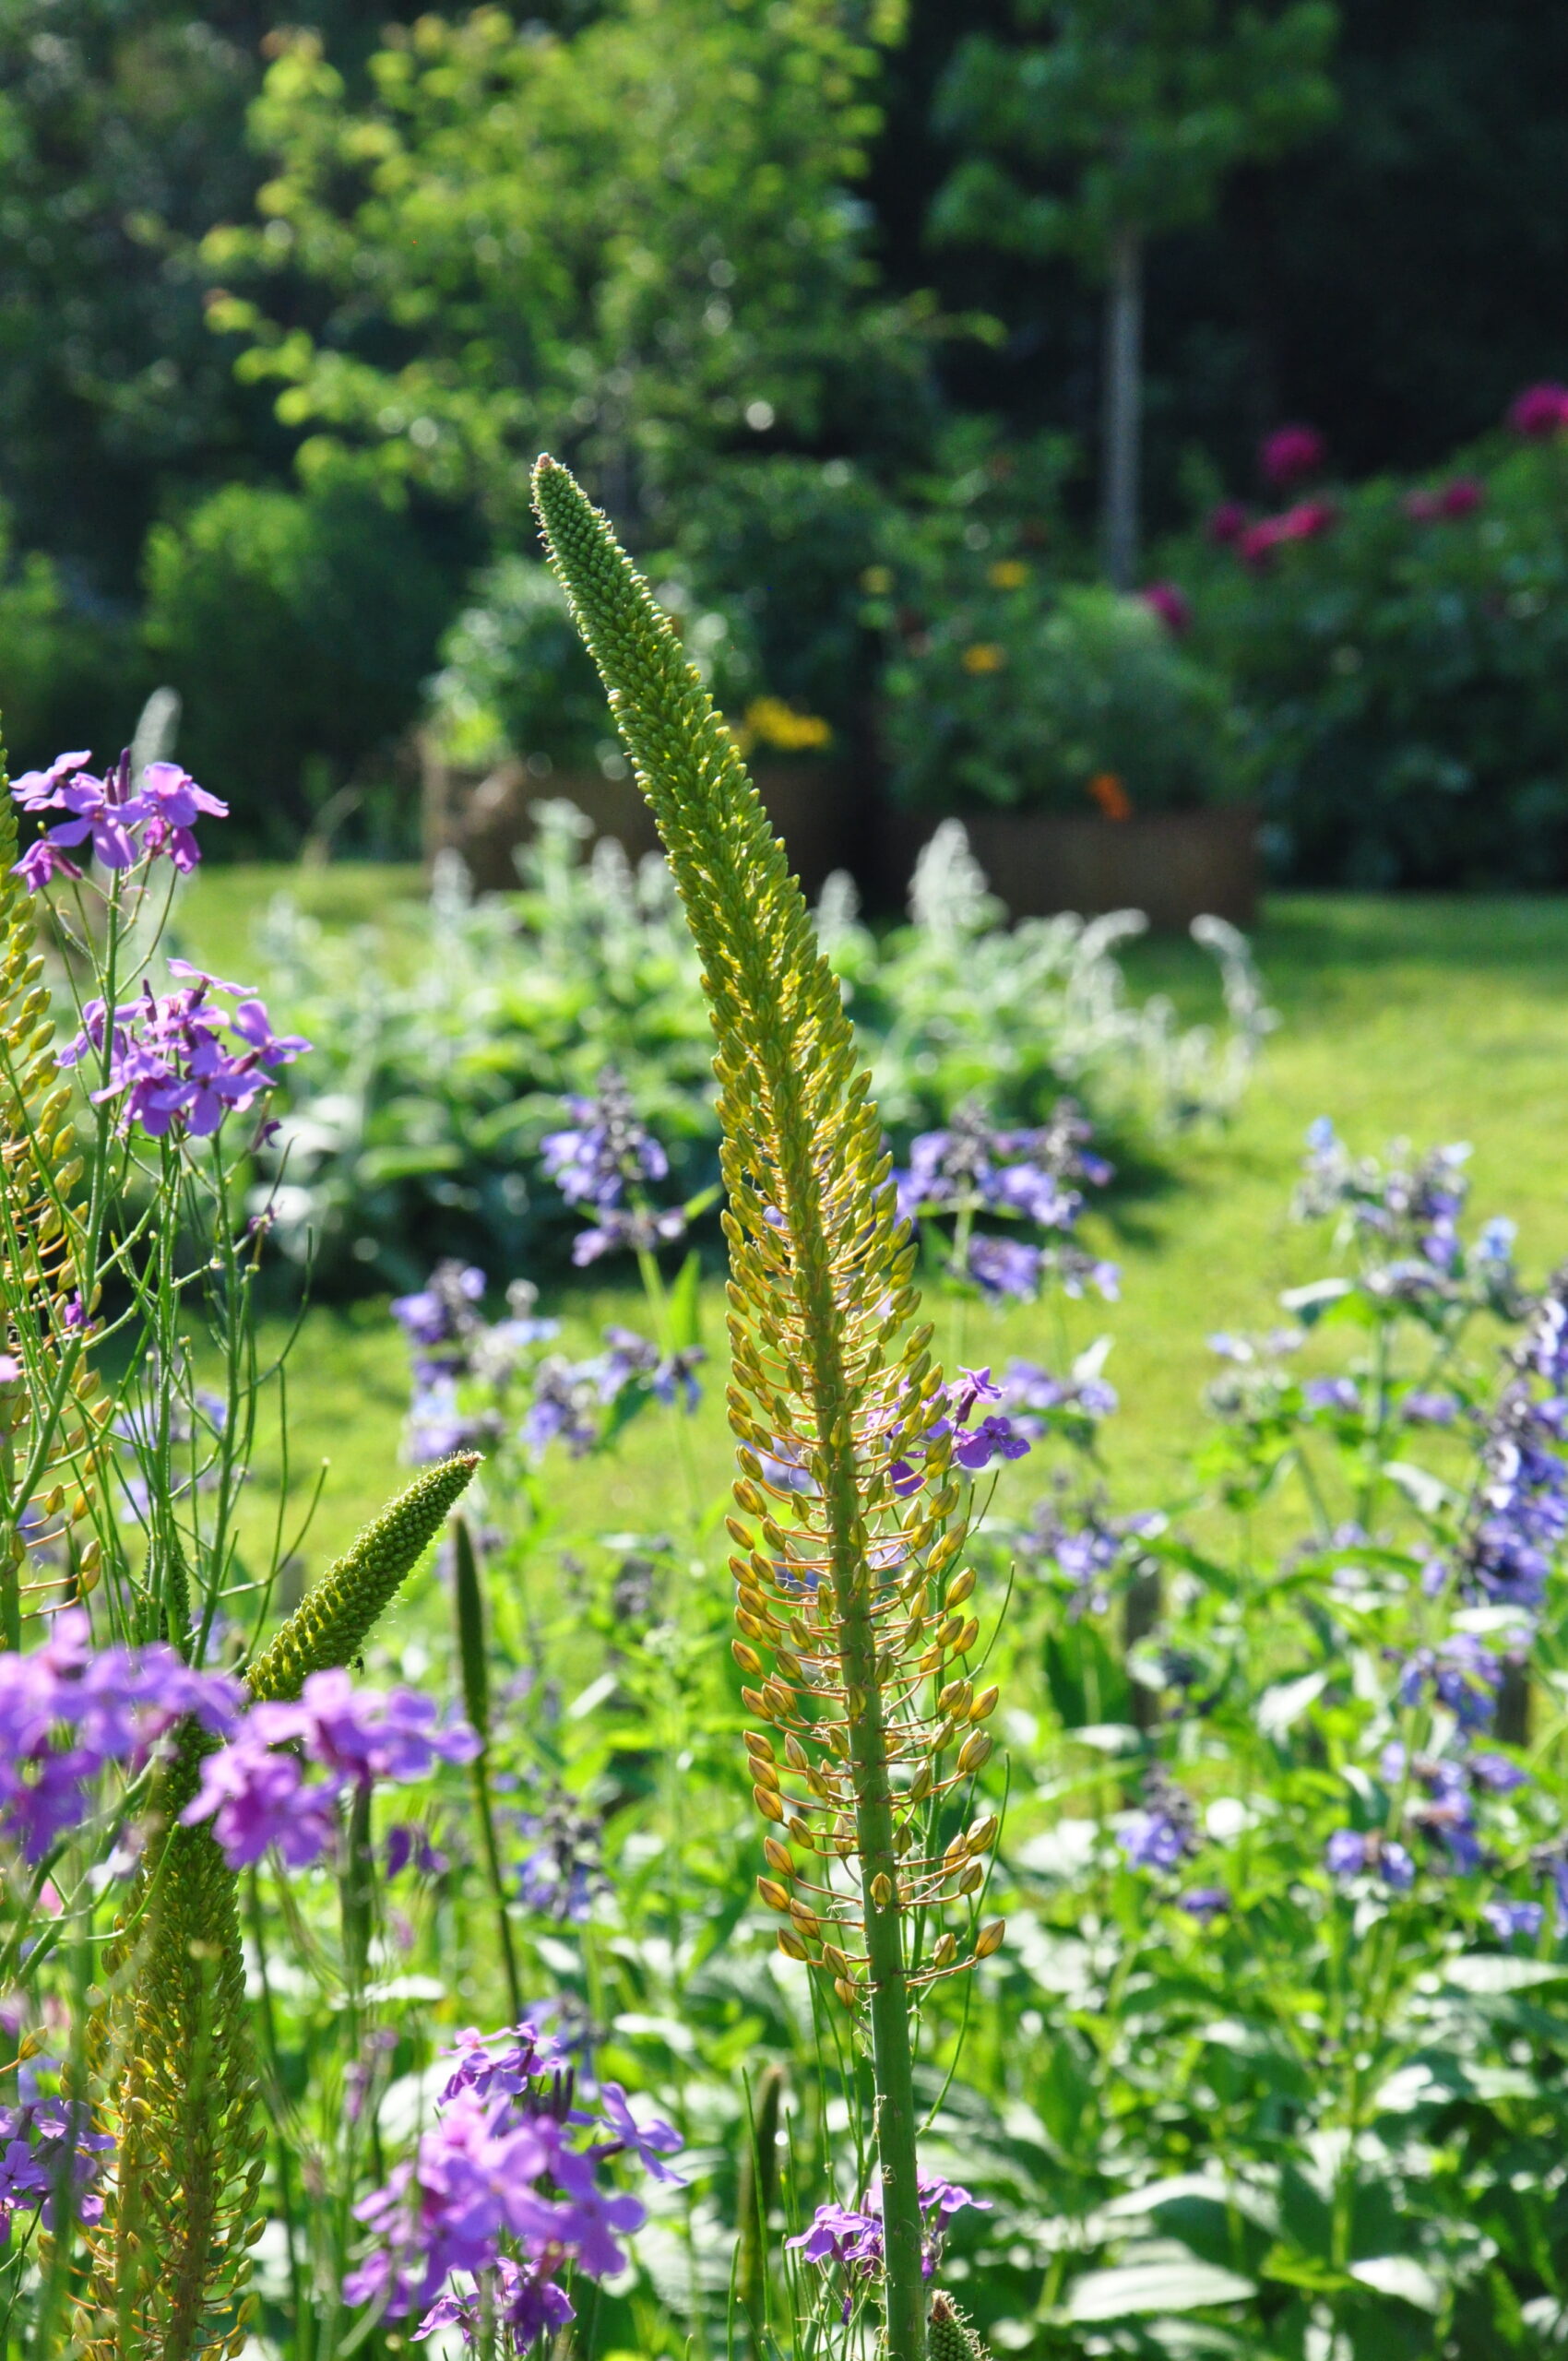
(634, 244)
(1119, 126)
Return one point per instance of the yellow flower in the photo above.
(1008, 574)
(773, 723)
(984, 657)
(878, 580)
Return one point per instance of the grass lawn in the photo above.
(1426, 1018)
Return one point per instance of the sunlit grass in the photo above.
(1434, 1019)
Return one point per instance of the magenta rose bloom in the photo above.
(1539, 412)
(1228, 521)
(1170, 604)
(1289, 455)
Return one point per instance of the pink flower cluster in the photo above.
(257, 1798)
(102, 813)
(1255, 539)
(68, 1710)
(168, 1061)
(504, 2194)
(1170, 603)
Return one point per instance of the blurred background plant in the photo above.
(444, 1052)
(291, 311)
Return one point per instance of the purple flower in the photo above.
(1507, 1918)
(1338, 1394)
(502, 2192)
(443, 1308)
(257, 1798)
(39, 790)
(32, 2139)
(1497, 1775)
(621, 1228)
(592, 1162)
(649, 2142)
(102, 814)
(173, 804)
(1005, 1266)
(1421, 1409)
(849, 2239)
(1029, 1172)
(1349, 1853)
(167, 1063)
(1289, 455)
(561, 1874)
(68, 1711)
(974, 1448)
(1465, 1677)
(1204, 1903)
(409, 1843)
(1165, 1832)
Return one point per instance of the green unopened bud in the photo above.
(332, 1622)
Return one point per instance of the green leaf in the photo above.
(1312, 1304)
(1281, 1708)
(1489, 1975)
(1400, 2275)
(1140, 2288)
(379, 1165)
(685, 1305)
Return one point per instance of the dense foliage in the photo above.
(425, 248)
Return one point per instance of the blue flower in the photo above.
(1507, 1918)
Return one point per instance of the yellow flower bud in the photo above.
(989, 1937)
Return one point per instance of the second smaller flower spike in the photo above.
(332, 1622)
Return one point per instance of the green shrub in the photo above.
(792, 538)
(69, 677)
(1401, 662)
(1010, 692)
(515, 676)
(297, 628)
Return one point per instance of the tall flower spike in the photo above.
(171, 2254)
(853, 1621)
(48, 1432)
(332, 1622)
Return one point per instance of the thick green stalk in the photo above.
(820, 1290)
(467, 1598)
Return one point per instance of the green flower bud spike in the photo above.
(170, 2258)
(953, 2336)
(845, 1586)
(333, 1621)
